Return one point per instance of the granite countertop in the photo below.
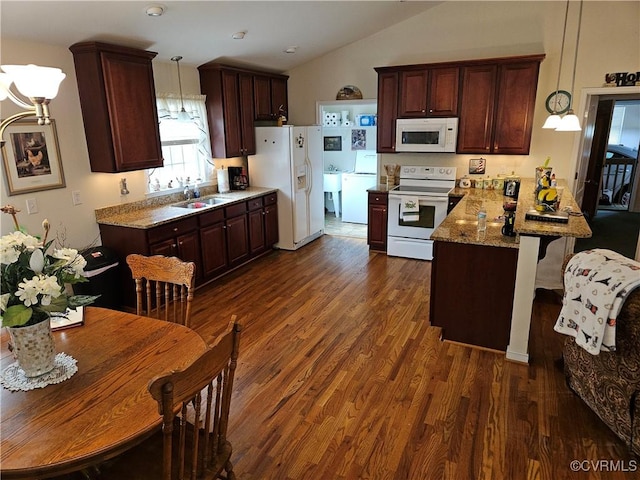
(160, 210)
(460, 226)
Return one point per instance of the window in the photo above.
(185, 145)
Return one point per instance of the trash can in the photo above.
(102, 276)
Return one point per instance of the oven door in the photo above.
(432, 211)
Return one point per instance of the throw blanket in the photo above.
(596, 284)
(409, 209)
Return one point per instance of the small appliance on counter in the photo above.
(238, 178)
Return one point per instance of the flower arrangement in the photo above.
(34, 281)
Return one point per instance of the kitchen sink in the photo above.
(202, 203)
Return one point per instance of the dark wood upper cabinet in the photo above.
(517, 84)
(270, 96)
(237, 97)
(493, 98)
(496, 112)
(476, 110)
(442, 100)
(430, 92)
(229, 101)
(118, 101)
(387, 112)
(413, 93)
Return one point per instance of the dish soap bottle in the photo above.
(196, 190)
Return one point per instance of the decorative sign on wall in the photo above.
(622, 79)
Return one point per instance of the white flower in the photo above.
(28, 292)
(12, 244)
(45, 285)
(36, 262)
(75, 262)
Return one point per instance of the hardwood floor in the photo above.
(340, 376)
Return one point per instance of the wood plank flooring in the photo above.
(341, 377)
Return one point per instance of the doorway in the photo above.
(607, 170)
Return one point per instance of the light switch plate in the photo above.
(76, 198)
(32, 206)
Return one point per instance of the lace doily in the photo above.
(14, 379)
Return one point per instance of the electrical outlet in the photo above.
(32, 206)
(75, 196)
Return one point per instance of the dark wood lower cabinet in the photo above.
(216, 240)
(377, 221)
(472, 290)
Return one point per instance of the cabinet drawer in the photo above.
(235, 210)
(378, 198)
(211, 217)
(172, 229)
(255, 204)
(271, 199)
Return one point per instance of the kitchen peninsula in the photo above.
(483, 285)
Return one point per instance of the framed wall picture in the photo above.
(31, 157)
(333, 144)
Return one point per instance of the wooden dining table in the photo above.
(104, 408)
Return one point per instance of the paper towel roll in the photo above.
(223, 180)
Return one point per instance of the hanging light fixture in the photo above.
(553, 120)
(38, 84)
(183, 116)
(570, 122)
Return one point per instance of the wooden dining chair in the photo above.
(188, 448)
(164, 287)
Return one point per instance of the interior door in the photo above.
(593, 177)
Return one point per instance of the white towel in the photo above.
(409, 209)
(596, 284)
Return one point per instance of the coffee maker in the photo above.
(509, 203)
(237, 178)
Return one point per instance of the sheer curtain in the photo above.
(169, 105)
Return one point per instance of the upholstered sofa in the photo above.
(609, 383)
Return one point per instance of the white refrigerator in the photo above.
(289, 158)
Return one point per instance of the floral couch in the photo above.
(609, 383)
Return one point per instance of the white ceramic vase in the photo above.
(34, 348)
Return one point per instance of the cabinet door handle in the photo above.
(174, 246)
(175, 229)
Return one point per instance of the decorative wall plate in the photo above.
(349, 92)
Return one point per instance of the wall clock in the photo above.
(563, 99)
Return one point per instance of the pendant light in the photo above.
(183, 116)
(570, 122)
(553, 120)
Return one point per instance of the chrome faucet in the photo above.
(188, 193)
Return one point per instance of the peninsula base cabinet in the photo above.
(472, 289)
(217, 241)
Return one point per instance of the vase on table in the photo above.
(33, 348)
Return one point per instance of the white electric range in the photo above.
(416, 207)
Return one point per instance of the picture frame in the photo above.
(70, 318)
(333, 144)
(31, 157)
(477, 166)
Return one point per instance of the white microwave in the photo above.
(426, 134)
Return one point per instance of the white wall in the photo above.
(77, 223)
(610, 42)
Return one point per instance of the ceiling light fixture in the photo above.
(570, 122)
(155, 10)
(553, 120)
(183, 116)
(38, 84)
(291, 49)
(238, 35)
